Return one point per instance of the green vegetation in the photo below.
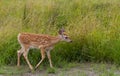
(84, 69)
(93, 25)
(51, 70)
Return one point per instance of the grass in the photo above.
(77, 69)
(13, 70)
(93, 26)
(51, 70)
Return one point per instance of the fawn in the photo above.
(43, 42)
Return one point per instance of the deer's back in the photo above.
(35, 39)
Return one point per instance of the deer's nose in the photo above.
(71, 41)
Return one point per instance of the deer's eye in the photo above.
(66, 37)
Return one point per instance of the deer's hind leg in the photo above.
(25, 54)
(19, 53)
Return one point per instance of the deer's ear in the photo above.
(61, 31)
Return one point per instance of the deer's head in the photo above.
(63, 35)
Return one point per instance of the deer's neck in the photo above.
(56, 39)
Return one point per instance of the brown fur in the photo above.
(44, 42)
(37, 40)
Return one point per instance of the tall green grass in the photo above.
(93, 25)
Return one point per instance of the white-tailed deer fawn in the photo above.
(44, 42)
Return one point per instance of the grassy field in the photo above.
(93, 25)
(72, 69)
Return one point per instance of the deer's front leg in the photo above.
(43, 57)
(49, 57)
